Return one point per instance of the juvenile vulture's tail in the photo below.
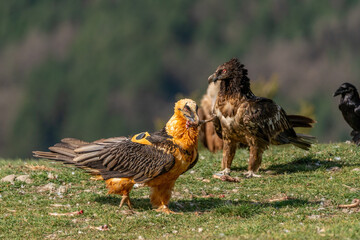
(300, 121)
(289, 136)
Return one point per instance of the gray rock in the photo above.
(48, 187)
(24, 178)
(9, 178)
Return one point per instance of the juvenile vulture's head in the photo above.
(346, 89)
(229, 70)
(233, 77)
(187, 109)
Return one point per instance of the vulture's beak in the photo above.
(339, 91)
(192, 121)
(212, 78)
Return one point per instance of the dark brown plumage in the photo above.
(242, 117)
(155, 160)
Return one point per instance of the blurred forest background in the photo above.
(91, 69)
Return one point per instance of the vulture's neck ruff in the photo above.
(177, 127)
(238, 86)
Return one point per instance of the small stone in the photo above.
(337, 158)
(200, 230)
(51, 176)
(356, 170)
(48, 187)
(62, 189)
(9, 178)
(333, 169)
(24, 178)
(270, 172)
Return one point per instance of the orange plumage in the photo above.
(154, 160)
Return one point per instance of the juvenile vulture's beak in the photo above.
(212, 78)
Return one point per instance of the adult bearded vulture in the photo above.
(154, 160)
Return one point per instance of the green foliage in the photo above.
(128, 60)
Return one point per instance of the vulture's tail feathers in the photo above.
(300, 121)
(303, 141)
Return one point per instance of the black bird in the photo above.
(350, 108)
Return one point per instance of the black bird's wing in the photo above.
(357, 110)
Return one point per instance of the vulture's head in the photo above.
(232, 69)
(187, 109)
(346, 89)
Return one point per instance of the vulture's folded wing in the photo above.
(142, 158)
(125, 158)
(265, 119)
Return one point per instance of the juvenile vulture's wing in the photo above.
(125, 158)
(265, 119)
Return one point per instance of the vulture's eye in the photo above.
(224, 71)
(186, 108)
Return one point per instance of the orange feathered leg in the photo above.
(160, 196)
(121, 186)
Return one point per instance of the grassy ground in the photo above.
(315, 182)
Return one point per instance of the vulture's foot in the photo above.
(226, 171)
(250, 174)
(165, 209)
(125, 199)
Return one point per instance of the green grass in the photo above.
(211, 209)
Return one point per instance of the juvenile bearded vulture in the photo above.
(242, 117)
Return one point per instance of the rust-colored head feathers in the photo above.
(187, 109)
(183, 126)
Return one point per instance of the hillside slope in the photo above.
(297, 198)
